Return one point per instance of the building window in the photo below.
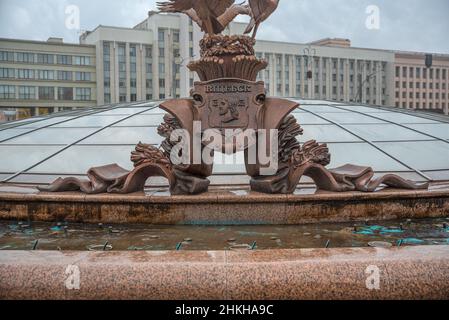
(83, 94)
(46, 93)
(161, 83)
(27, 93)
(122, 98)
(6, 56)
(25, 57)
(7, 73)
(64, 59)
(176, 36)
(148, 52)
(65, 94)
(46, 75)
(82, 76)
(133, 97)
(122, 51)
(161, 35)
(107, 98)
(81, 61)
(161, 52)
(45, 58)
(161, 68)
(106, 48)
(106, 66)
(132, 51)
(149, 68)
(25, 74)
(398, 72)
(7, 92)
(65, 75)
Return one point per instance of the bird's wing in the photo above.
(175, 5)
(194, 16)
(258, 7)
(218, 7)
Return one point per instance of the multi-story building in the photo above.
(43, 77)
(329, 72)
(150, 61)
(145, 62)
(421, 86)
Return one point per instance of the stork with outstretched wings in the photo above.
(204, 12)
(260, 11)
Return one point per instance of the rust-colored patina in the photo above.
(228, 97)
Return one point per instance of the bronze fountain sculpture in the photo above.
(228, 97)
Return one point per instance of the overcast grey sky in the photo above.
(416, 25)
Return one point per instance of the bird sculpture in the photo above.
(205, 13)
(260, 11)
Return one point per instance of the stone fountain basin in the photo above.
(404, 273)
(409, 272)
(236, 206)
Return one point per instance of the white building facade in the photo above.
(150, 61)
(147, 62)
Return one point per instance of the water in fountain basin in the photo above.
(71, 236)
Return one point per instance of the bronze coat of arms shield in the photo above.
(228, 105)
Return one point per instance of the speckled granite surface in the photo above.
(404, 273)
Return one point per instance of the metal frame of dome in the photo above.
(413, 144)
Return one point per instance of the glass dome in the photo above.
(414, 145)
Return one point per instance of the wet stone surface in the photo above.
(23, 235)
